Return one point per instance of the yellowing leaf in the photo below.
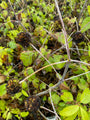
(24, 114)
(70, 110)
(55, 98)
(71, 117)
(24, 93)
(85, 96)
(2, 89)
(2, 105)
(88, 7)
(67, 97)
(84, 114)
(3, 5)
(15, 111)
(85, 25)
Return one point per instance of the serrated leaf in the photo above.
(24, 93)
(85, 25)
(85, 96)
(26, 57)
(70, 110)
(84, 114)
(67, 97)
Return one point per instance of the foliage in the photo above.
(39, 18)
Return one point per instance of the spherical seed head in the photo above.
(24, 39)
(78, 37)
(32, 103)
(13, 86)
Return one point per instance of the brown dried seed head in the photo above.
(13, 86)
(23, 38)
(78, 37)
(32, 103)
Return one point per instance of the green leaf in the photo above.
(24, 114)
(26, 57)
(89, 50)
(48, 69)
(15, 111)
(85, 25)
(5, 13)
(42, 86)
(2, 89)
(24, 85)
(55, 98)
(5, 113)
(84, 114)
(3, 5)
(24, 93)
(2, 105)
(82, 84)
(12, 44)
(88, 7)
(9, 116)
(70, 110)
(67, 97)
(87, 74)
(71, 117)
(85, 96)
(29, 71)
(12, 34)
(17, 95)
(35, 83)
(57, 58)
(61, 38)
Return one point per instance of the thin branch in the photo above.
(42, 115)
(45, 92)
(64, 31)
(42, 107)
(56, 85)
(77, 61)
(41, 69)
(46, 60)
(76, 76)
(49, 33)
(64, 74)
(82, 11)
(53, 105)
(11, 7)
